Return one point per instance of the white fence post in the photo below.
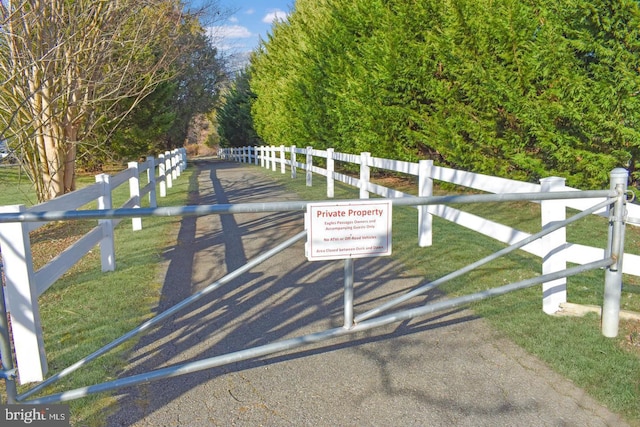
(273, 158)
(309, 166)
(255, 155)
(107, 246)
(293, 162)
(168, 172)
(283, 162)
(175, 172)
(134, 193)
(365, 175)
(554, 293)
(178, 157)
(425, 189)
(22, 298)
(151, 179)
(262, 161)
(162, 175)
(330, 169)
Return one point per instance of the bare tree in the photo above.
(66, 67)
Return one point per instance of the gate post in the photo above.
(615, 249)
(554, 292)
(6, 351)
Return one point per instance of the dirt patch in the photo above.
(50, 240)
(630, 330)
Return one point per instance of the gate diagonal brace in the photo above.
(292, 343)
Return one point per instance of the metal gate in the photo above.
(615, 201)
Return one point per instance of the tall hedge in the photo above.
(515, 88)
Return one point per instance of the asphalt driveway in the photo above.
(449, 369)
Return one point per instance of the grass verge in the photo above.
(608, 369)
(86, 308)
(15, 187)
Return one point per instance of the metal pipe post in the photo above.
(348, 293)
(8, 368)
(613, 273)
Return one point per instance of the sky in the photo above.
(251, 20)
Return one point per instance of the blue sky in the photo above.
(251, 20)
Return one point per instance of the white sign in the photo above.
(348, 230)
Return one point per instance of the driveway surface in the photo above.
(450, 369)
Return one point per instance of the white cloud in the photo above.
(250, 11)
(233, 19)
(275, 14)
(230, 31)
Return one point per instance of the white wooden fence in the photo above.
(554, 249)
(24, 285)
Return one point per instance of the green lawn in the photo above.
(15, 187)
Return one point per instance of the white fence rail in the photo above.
(24, 285)
(555, 251)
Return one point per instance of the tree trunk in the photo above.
(53, 163)
(69, 145)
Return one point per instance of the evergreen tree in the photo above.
(235, 125)
(516, 88)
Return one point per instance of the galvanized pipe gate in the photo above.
(615, 200)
